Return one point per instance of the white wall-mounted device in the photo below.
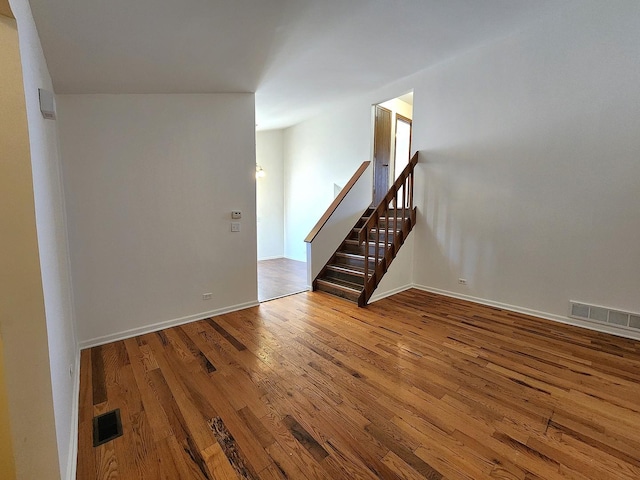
(47, 104)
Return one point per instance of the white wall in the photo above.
(150, 183)
(52, 239)
(339, 224)
(318, 153)
(399, 276)
(270, 194)
(530, 178)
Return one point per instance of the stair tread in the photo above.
(347, 258)
(383, 229)
(353, 241)
(360, 256)
(369, 212)
(387, 219)
(355, 256)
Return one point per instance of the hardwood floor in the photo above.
(279, 277)
(413, 386)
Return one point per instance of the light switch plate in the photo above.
(235, 226)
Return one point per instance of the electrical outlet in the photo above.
(236, 214)
(206, 296)
(462, 281)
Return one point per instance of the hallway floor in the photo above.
(280, 277)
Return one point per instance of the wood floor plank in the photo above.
(143, 447)
(157, 418)
(262, 434)
(85, 463)
(305, 439)
(187, 420)
(98, 376)
(226, 335)
(107, 463)
(413, 386)
(174, 462)
(284, 462)
(271, 473)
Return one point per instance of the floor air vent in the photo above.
(106, 427)
(611, 316)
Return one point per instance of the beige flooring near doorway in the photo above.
(280, 277)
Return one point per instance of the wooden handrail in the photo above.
(399, 232)
(343, 193)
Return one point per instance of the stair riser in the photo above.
(357, 279)
(339, 293)
(354, 262)
(359, 250)
(383, 222)
(373, 236)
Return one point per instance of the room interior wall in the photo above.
(529, 178)
(528, 175)
(319, 153)
(23, 324)
(270, 194)
(52, 240)
(399, 275)
(150, 183)
(325, 241)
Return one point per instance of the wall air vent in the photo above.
(612, 316)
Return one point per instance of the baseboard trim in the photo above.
(619, 332)
(379, 296)
(285, 295)
(114, 337)
(72, 461)
(271, 258)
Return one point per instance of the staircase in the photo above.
(355, 269)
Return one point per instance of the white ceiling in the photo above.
(297, 55)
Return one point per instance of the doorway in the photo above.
(392, 130)
(277, 275)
